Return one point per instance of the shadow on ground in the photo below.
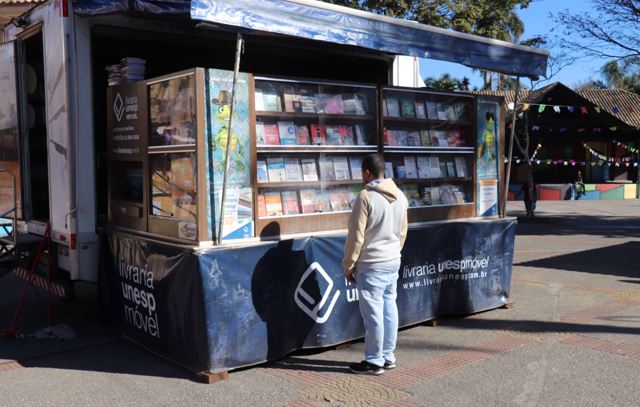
(570, 224)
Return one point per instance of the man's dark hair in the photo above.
(374, 163)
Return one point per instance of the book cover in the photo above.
(425, 195)
(261, 138)
(434, 167)
(334, 104)
(339, 199)
(290, 204)
(341, 168)
(302, 135)
(292, 169)
(411, 193)
(407, 107)
(308, 100)
(309, 170)
(432, 109)
(318, 134)
(425, 137)
(423, 166)
(356, 167)
(451, 112)
(393, 106)
(388, 169)
(321, 102)
(271, 100)
(442, 111)
(333, 135)
(308, 200)
(400, 138)
(259, 101)
(461, 167)
(443, 169)
(361, 136)
(401, 173)
(346, 133)
(421, 113)
(262, 206)
(323, 204)
(387, 137)
(352, 193)
(410, 167)
(275, 169)
(327, 172)
(292, 100)
(287, 133)
(271, 134)
(413, 138)
(353, 104)
(273, 203)
(435, 196)
(261, 168)
(451, 169)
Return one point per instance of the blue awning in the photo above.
(320, 21)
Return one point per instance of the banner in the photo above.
(263, 301)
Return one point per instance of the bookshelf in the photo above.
(309, 139)
(428, 143)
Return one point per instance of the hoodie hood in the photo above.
(386, 188)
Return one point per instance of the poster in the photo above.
(237, 219)
(488, 197)
(488, 149)
(8, 131)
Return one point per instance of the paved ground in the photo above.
(572, 339)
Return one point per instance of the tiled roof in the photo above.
(620, 103)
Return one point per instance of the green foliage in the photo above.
(624, 74)
(447, 82)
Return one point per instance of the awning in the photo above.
(320, 21)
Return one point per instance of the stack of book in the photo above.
(132, 69)
(305, 201)
(293, 169)
(289, 133)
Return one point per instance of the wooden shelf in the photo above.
(427, 180)
(428, 149)
(294, 148)
(316, 116)
(307, 183)
(440, 205)
(427, 121)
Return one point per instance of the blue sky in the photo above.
(537, 22)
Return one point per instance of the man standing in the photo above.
(377, 230)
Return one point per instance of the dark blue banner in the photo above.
(263, 301)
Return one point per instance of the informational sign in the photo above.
(127, 121)
(237, 218)
(259, 302)
(488, 155)
(487, 197)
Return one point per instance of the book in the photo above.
(308, 200)
(308, 100)
(287, 133)
(432, 109)
(353, 104)
(401, 173)
(442, 111)
(323, 204)
(341, 168)
(292, 169)
(334, 104)
(355, 163)
(425, 195)
(259, 101)
(273, 203)
(425, 137)
(461, 166)
(309, 170)
(339, 199)
(327, 173)
(423, 166)
(435, 196)
(451, 113)
(420, 110)
(302, 135)
(275, 169)
(261, 139)
(292, 100)
(318, 134)
(261, 168)
(411, 193)
(444, 173)
(290, 204)
(399, 137)
(413, 138)
(352, 193)
(388, 169)
(271, 100)
(410, 166)
(387, 137)
(262, 206)
(434, 167)
(393, 106)
(451, 169)
(407, 107)
(271, 134)
(321, 102)
(361, 136)
(439, 138)
(333, 135)
(346, 133)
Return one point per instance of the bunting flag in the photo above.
(541, 108)
(605, 158)
(627, 147)
(556, 109)
(533, 156)
(594, 130)
(572, 109)
(574, 163)
(584, 110)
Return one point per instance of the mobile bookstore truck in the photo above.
(210, 204)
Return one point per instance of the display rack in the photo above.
(428, 145)
(310, 138)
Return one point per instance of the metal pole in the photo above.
(512, 137)
(236, 68)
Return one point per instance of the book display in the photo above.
(428, 144)
(310, 139)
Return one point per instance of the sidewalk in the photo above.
(571, 339)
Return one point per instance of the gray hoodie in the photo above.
(377, 226)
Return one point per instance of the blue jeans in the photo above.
(377, 287)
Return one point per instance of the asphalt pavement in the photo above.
(571, 338)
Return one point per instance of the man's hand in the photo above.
(350, 277)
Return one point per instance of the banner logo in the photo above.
(118, 106)
(300, 295)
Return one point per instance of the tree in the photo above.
(623, 74)
(447, 82)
